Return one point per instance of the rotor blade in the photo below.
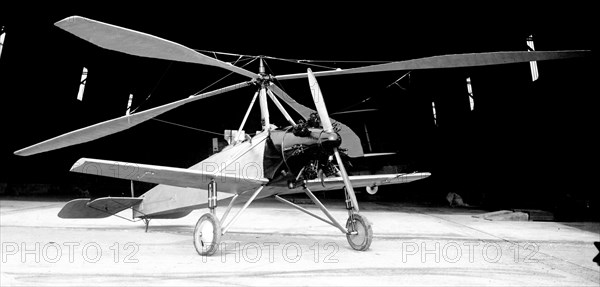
(115, 125)
(136, 43)
(347, 181)
(350, 141)
(453, 61)
(319, 101)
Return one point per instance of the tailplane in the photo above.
(97, 208)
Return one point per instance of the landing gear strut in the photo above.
(358, 229)
(207, 234)
(147, 222)
(360, 233)
(209, 229)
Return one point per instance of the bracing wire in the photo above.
(224, 53)
(353, 105)
(304, 61)
(199, 92)
(300, 62)
(297, 61)
(250, 58)
(272, 72)
(193, 128)
(188, 127)
(154, 89)
(219, 80)
(280, 85)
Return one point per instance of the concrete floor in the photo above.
(273, 244)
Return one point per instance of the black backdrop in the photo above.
(525, 144)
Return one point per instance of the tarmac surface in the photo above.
(274, 244)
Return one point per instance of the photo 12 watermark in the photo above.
(69, 252)
(276, 252)
(467, 252)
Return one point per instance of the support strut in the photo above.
(338, 226)
(212, 197)
(347, 183)
(237, 138)
(350, 208)
(147, 222)
(237, 215)
(231, 203)
(324, 210)
(281, 108)
(264, 109)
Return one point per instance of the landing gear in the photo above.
(360, 234)
(358, 229)
(207, 234)
(208, 231)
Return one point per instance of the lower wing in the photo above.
(179, 191)
(332, 183)
(229, 183)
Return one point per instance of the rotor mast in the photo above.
(263, 93)
(264, 108)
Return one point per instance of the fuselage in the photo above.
(278, 155)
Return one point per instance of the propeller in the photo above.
(328, 128)
(136, 43)
(116, 125)
(452, 61)
(350, 141)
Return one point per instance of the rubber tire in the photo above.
(362, 240)
(372, 190)
(203, 248)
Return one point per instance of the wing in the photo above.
(229, 183)
(97, 208)
(136, 43)
(333, 183)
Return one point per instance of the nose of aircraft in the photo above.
(330, 139)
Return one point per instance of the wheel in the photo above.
(207, 234)
(372, 189)
(362, 240)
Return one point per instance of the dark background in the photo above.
(526, 145)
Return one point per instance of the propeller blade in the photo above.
(319, 102)
(136, 43)
(453, 61)
(115, 125)
(350, 141)
(347, 181)
(328, 127)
